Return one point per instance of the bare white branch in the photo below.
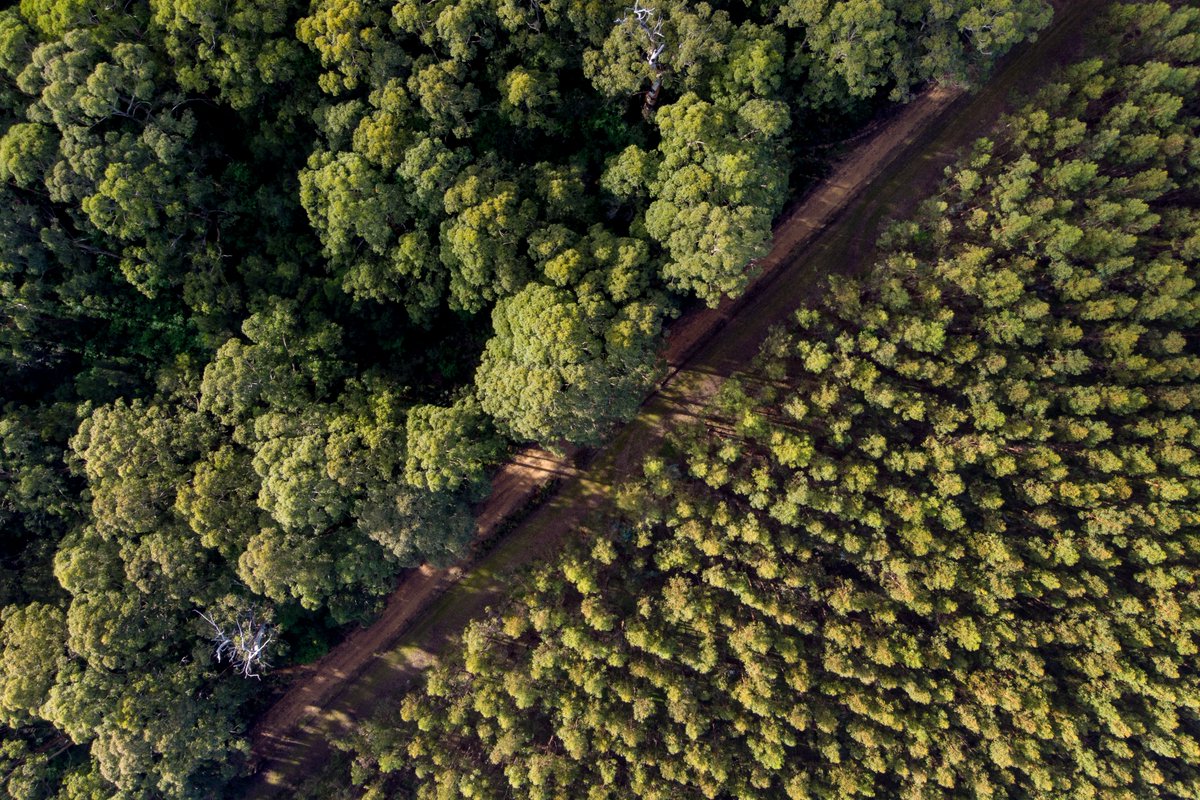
(245, 648)
(651, 26)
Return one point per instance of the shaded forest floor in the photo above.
(831, 230)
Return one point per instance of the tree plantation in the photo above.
(939, 541)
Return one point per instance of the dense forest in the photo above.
(279, 282)
(939, 541)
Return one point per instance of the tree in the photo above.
(715, 195)
(27, 152)
(241, 51)
(480, 240)
(34, 638)
(297, 489)
(416, 526)
(170, 741)
(361, 216)
(289, 360)
(219, 502)
(245, 645)
(551, 373)
(341, 570)
(448, 448)
(352, 40)
(143, 184)
(859, 47)
(664, 44)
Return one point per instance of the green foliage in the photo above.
(716, 192)
(248, 251)
(449, 447)
(861, 46)
(33, 655)
(488, 220)
(938, 541)
(243, 50)
(550, 374)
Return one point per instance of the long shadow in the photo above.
(560, 472)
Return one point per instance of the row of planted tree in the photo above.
(942, 540)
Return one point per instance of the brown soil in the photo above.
(830, 230)
(512, 487)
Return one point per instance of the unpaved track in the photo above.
(513, 485)
(831, 230)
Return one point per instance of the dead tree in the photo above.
(656, 43)
(245, 646)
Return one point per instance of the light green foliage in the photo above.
(715, 194)
(357, 212)
(349, 203)
(480, 241)
(693, 38)
(31, 658)
(169, 741)
(449, 447)
(430, 167)
(351, 40)
(550, 372)
(133, 457)
(288, 512)
(343, 519)
(629, 173)
(529, 98)
(53, 18)
(447, 98)
(128, 162)
(132, 576)
(242, 50)
(16, 42)
(219, 502)
(339, 570)
(290, 457)
(26, 151)
(283, 365)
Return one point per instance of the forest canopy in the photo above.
(280, 283)
(938, 542)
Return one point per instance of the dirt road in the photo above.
(513, 486)
(831, 230)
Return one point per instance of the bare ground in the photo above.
(830, 230)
